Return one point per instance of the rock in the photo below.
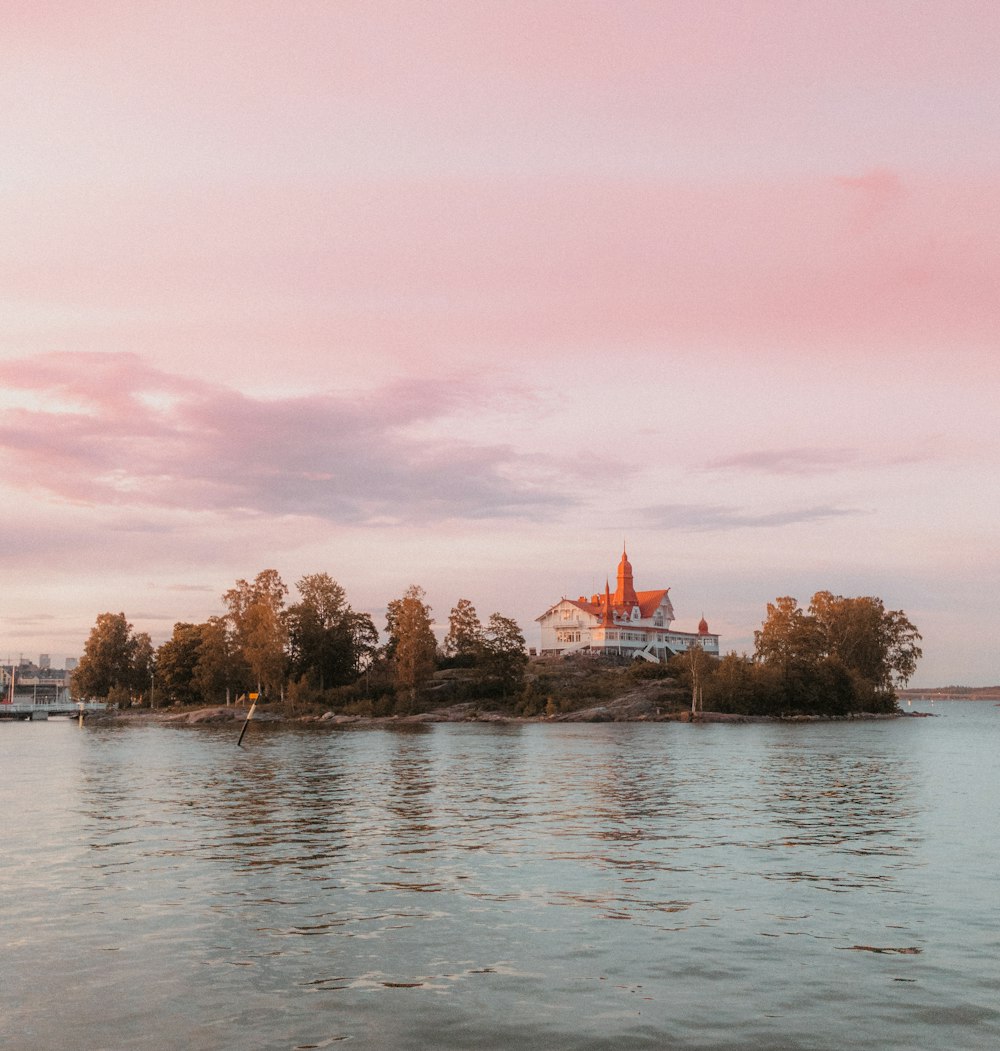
(214, 715)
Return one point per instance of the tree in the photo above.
(263, 644)
(364, 641)
(505, 655)
(733, 686)
(877, 644)
(698, 665)
(177, 663)
(143, 663)
(845, 654)
(318, 640)
(789, 638)
(328, 642)
(217, 667)
(256, 615)
(267, 587)
(464, 641)
(115, 659)
(411, 640)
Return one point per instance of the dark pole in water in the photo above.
(246, 723)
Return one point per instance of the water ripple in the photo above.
(535, 886)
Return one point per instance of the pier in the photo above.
(24, 709)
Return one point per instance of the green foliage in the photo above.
(329, 643)
(504, 655)
(643, 671)
(114, 658)
(301, 693)
(788, 638)
(845, 655)
(690, 669)
(532, 701)
(197, 664)
(877, 644)
(218, 669)
(574, 683)
(742, 688)
(123, 697)
(463, 645)
(176, 662)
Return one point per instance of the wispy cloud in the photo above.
(720, 517)
(115, 431)
(802, 461)
(807, 461)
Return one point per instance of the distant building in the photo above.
(43, 662)
(626, 622)
(71, 663)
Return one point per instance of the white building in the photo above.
(628, 622)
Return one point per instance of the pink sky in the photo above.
(463, 294)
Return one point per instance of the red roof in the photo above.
(649, 602)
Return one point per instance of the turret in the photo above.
(625, 597)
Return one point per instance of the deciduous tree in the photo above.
(505, 655)
(256, 614)
(464, 641)
(877, 644)
(329, 642)
(845, 654)
(789, 638)
(411, 640)
(218, 668)
(698, 665)
(177, 663)
(364, 640)
(115, 658)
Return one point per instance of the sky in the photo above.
(472, 295)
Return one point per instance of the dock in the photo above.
(25, 709)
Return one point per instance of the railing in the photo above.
(27, 709)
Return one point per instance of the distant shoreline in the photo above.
(980, 693)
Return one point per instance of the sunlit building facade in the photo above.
(626, 622)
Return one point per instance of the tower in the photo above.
(625, 596)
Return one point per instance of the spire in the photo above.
(703, 625)
(607, 601)
(625, 596)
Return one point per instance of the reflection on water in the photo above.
(488, 886)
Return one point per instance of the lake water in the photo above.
(818, 886)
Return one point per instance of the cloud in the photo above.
(719, 517)
(110, 430)
(805, 461)
(30, 619)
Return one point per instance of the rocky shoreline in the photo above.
(639, 705)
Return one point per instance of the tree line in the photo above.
(837, 657)
(316, 649)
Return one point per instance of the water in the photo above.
(766, 886)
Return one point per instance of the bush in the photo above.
(643, 670)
